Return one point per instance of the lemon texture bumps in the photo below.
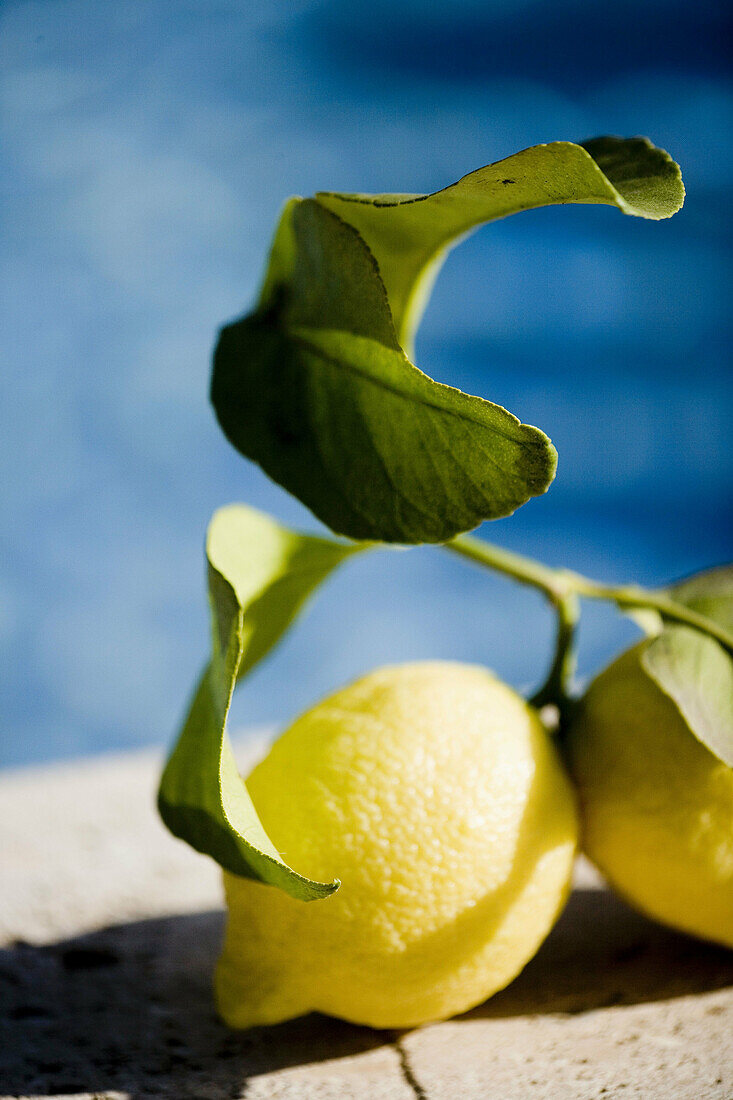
(432, 790)
(656, 804)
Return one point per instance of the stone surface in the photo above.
(110, 929)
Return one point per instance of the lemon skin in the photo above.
(656, 804)
(434, 793)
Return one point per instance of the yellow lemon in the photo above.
(656, 804)
(434, 793)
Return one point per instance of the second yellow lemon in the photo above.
(657, 805)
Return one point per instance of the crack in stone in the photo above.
(407, 1070)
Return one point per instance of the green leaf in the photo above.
(409, 234)
(317, 387)
(696, 673)
(709, 593)
(260, 575)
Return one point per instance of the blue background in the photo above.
(148, 148)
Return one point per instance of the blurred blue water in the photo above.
(148, 147)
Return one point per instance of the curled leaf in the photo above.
(317, 386)
(409, 234)
(260, 575)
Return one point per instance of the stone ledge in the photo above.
(111, 928)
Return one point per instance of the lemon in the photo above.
(433, 791)
(656, 804)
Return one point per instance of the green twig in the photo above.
(562, 587)
(558, 685)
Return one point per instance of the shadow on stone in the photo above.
(602, 953)
(129, 1008)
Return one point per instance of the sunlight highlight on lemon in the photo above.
(433, 792)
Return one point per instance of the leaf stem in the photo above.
(557, 687)
(560, 585)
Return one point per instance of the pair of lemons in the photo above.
(435, 793)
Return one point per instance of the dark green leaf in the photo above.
(260, 575)
(316, 388)
(316, 385)
(697, 674)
